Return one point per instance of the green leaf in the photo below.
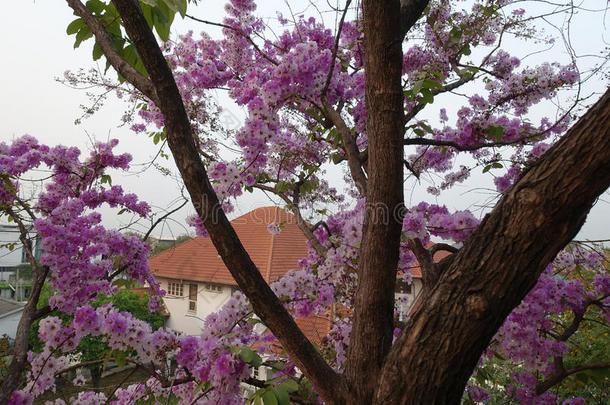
(178, 6)
(129, 54)
(75, 26)
(96, 6)
(495, 132)
(496, 165)
(163, 31)
(83, 34)
(282, 186)
(254, 321)
(106, 179)
(201, 385)
(148, 13)
(162, 19)
(97, 51)
(249, 356)
(455, 34)
(282, 396)
(269, 398)
(427, 127)
(486, 168)
(417, 86)
(431, 84)
(289, 386)
(427, 97)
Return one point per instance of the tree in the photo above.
(309, 103)
(93, 350)
(160, 245)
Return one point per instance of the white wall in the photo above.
(416, 288)
(9, 233)
(191, 322)
(8, 324)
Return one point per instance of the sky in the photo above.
(36, 50)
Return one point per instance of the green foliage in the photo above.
(587, 346)
(159, 245)
(158, 13)
(94, 348)
(422, 91)
(24, 270)
(249, 356)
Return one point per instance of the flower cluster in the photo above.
(529, 337)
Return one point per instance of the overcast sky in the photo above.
(36, 49)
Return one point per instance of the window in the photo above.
(175, 289)
(193, 297)
(402, 287)
(213, 288)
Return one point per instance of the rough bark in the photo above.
(180, 140)
(410, 11)
(371, 336)
(440, 346)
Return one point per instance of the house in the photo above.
(12, 257)
(412, 292)
(197, 281)
(10, 314)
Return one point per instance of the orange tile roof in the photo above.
(438, 256)
(314, 327)
(273, 254)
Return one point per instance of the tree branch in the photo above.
(429, 271)
(335, 49)
(535, 219)
(20, 348)
(180, 140)
(104, 40)
(239, 32)
(559, 377)
(448, 87)
(437, 247)
(410, 12)
(349, 144)
(320, 249)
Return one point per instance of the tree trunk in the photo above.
(17, 367)
(435, 355)
(373, 323)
